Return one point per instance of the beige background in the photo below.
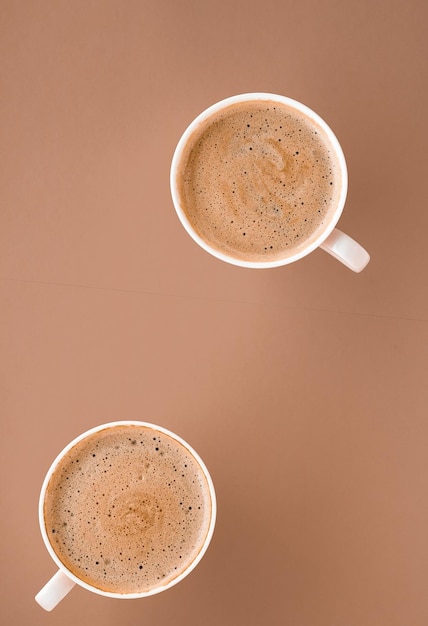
(303, 388)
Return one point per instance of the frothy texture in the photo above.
(258, 180)
(127, 509)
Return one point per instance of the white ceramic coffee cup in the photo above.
(64, 580)
(332, 240)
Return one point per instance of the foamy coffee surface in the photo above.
(258, 180)
(128, 509)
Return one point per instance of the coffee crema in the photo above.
(127, 509)
(258, 180)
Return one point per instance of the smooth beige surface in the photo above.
(303, 388)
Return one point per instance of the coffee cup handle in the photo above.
(55, 590)
(346, 250)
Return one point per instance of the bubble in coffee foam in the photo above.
(258, 180)
(127, 509)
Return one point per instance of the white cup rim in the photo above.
(245, 97)
(159, 588)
